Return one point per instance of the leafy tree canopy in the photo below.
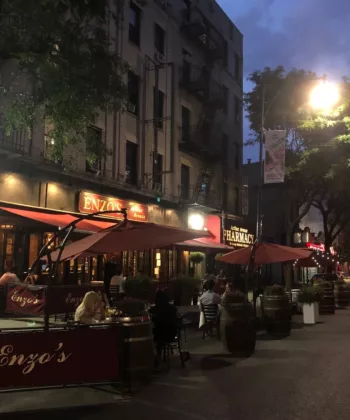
(318, 144)
(62, 48)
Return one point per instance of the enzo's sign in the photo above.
(34, 359)
(25, 299)
(93, 203)
(237, 237)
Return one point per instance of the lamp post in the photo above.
(324, 96)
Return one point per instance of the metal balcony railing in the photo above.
(191, 195)
(200, 140)
(199, 29)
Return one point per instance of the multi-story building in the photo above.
(177, 148)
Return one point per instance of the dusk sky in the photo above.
(309, 34)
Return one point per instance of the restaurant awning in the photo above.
(58, 219)
(204, 243)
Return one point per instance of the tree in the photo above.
(318, 146)
(313, 169)
(62, 50)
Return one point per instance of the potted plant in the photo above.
(138, 287)
(277, 310)
(237, 327)
(310, 297)
(184, 289)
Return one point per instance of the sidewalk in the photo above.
(58, 398)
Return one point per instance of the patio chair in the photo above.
(174, 345)
(211, 318)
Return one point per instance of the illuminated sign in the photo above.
(316, 247)
(93, 203)
(237, 237)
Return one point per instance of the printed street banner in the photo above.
(275, 154)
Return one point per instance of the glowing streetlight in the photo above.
(324, 96)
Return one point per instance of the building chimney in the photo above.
(249, 161)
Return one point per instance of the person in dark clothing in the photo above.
(165, 320)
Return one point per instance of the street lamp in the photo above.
(324, 96)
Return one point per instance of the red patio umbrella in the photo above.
(265, 253)
(127, 236)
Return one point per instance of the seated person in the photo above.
(118, 280)
(209, 297)
(165, 320)
(9, 277)
(91, 309)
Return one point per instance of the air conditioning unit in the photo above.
(131, 108)
(159, 57)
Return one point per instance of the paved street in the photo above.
(302, 377)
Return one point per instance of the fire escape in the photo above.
(203, 140)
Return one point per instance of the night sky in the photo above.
(309, 34)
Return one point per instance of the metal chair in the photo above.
(211, 318)
(175, 344)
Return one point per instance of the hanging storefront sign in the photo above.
(316, 247)
(26, 300)
(92, 203)
(275, 153)
(236, 236)
(35, 359)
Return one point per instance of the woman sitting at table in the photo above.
(91, 309)
(165, 320)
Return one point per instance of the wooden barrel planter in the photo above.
(137, 359)
(237, 326)
(277, 312)
(327, 303)
(341, 295)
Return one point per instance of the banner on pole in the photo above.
(275, 156)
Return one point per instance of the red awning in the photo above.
(202, 243)
(59, 219)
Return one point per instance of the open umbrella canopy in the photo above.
(265, 253)
(127, 236)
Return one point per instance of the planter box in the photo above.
(310, 313)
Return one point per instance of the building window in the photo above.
(237, 110)
(185, 182)
(131, 163)
(159, 39)
(158, 173)
(93, 150)
(133, 93)
(134, 23)
(237, 67)
(186, 125)
(225, 98)
(158, 101)
(237, 156)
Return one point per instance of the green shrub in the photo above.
(275, 290)
(310, 294)
(185, 288)
(138, 287)
(130, 307)
(196, 257)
